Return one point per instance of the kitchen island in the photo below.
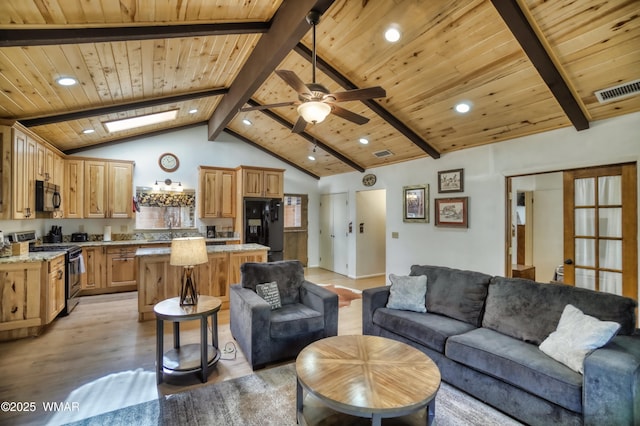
(158, 280)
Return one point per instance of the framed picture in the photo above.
(451, 212)
(416, 203)
(451, 180)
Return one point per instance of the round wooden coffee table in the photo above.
(367, 376)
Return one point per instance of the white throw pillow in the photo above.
(408, 293)
(576, 336)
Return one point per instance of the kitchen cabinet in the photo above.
(108, 189)
(217, 192)
(23, 175)
(55, 296)
(121, 267)
(20, 300)
(92, 281)
(236, 259)
(261, 182)
(44, 163)
(58, 179)
(73, 189)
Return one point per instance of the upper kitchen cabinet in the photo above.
(58, 179)
(217, 192)
(73, 189)
(261, 182)
(108, 189)
(23, 165)
(44, 163)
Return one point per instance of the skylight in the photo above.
(141, 121)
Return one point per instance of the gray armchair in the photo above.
(308, 313)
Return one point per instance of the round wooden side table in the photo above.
(192, 357)
(367, 376)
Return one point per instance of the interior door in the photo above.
(600, 231)
(334, 232)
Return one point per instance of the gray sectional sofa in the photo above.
(483, 332)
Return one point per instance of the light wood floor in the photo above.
(102, 336)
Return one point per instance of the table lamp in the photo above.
(188, 252)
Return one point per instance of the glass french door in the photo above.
(600, 230)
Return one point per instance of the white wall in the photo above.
(481, 246)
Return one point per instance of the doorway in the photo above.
(370, 230)
(583, 227)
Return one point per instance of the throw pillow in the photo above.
(576, 336)
(270, 293)
(407, 293)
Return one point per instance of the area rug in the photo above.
(345, 294)
(268, 398)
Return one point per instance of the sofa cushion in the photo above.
(289, 275)
(577, 334)
(455, 293)
(518, 363)
(430, 330)
(407, 293)
(530, 311)
(295, 319)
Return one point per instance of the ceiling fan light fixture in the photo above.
(314, 112)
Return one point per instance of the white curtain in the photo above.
(608, 213)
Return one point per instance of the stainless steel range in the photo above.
(73, 255)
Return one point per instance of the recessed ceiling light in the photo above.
(247, 121)
(143, 120)
(66, 81)
(463, 107)
(88, 131)
(312, 158)
(392, 34)
(193, 111)
(364, 141)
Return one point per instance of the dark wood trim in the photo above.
(288, 26)
(533, 48)
(42, 37)
(132, 138)
(309, 138)
(111, 109)
(342, 80)
(262, 148)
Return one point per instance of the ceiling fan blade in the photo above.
(299, 126)
(294, 81)
(261, 107)
(358, 94)
(348, 115)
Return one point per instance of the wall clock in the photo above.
(369, 180)
(169, 162)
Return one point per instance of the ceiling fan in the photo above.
(315, 102)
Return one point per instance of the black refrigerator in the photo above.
(263, 224)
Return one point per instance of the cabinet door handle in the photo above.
(60, 274)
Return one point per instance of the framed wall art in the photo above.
(416, 203)
(451, 181)
(451, 212)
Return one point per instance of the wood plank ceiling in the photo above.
(526, 67)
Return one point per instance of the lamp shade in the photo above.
(188, 251)
(314, 112)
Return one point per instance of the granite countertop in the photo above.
(210, 249)
(41, 256)
(133, 242)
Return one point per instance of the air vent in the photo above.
(383, 153)
(618, 92)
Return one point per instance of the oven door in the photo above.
(73, 276)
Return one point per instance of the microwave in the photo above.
(47, 196)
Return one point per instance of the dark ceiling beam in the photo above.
(114, 109)
(342, 80)
(41, 37)
(273, 154)
(132, 138)
(534, 49)
(309, 138)
(288, 26)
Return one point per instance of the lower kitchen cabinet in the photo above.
(21, 300)
(91, 282)
(121, 267)
(55, 296)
